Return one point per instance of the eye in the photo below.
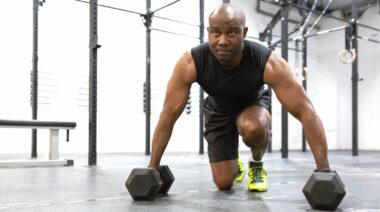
(232, 33)
(215, 33)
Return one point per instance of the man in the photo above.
(233, 71)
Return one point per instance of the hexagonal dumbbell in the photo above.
(167, 179)
(145, 183)
(324, 190)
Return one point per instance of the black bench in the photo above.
(54, 127)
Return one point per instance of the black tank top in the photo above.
(230, 90)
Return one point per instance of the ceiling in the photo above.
(344, 6)
(341, 5)
(271, 7)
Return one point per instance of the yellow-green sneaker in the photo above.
(257, 176)
(240, 175)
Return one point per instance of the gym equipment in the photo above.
(54, 127)
(143, 184)
(324, 190)
(188, 105)
(146, 183)
(167, 179)
(343, 56)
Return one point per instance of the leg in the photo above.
(224, 173)
(253, 125)
(222, 138)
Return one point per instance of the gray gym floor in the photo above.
(101, 188)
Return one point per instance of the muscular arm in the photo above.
(292, 96)
(177, 93)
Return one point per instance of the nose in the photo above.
(223, 40)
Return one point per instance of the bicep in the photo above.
(179, 85)
(288, 90)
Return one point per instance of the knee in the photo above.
(252, 131)
(224, 183)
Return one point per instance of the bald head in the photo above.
(230, 11)
(226, 33)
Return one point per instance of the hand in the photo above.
(155, 168)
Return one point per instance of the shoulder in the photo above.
(200, 51)
(185, 68)
(275, 61)
(257, 51)
(276, 69)
(256, 47)
(201, 47)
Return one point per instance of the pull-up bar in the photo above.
(139, 13)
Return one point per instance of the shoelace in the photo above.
(255, 173)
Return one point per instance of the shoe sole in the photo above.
(257, 190)
(241, 180)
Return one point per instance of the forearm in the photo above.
(316, 138)
(161, 139)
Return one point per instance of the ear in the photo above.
(245, 30)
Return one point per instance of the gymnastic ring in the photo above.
(343, 53)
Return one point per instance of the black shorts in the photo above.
(221, 131)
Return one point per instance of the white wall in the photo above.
(331, 85)
(369, 115)
(15, 69)
(323, 68)
(64, 69)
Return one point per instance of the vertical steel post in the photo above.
(304, 82)
(284, 53)
(148, 22)
(201, 92)
(92, 153)
(269, 40)
(34, 76)
(304, 62)
(355, 78)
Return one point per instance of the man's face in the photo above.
(225, 35)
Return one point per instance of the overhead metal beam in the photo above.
(268, 30)
(320, 13)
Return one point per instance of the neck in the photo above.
(234, 63)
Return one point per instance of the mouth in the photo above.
(223, 52)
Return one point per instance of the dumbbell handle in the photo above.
(323, 170)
